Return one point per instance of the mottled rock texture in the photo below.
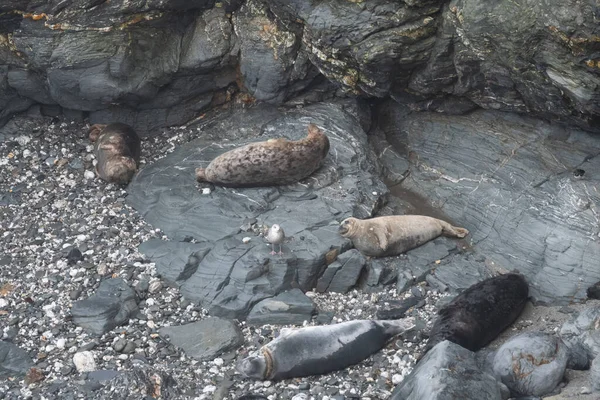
(158, 63)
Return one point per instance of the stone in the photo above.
(112, 305)
(582, 336)
(341, 275)
(397, 308)
(14, 361)
(531, 363)
(220, 272)
(291, 307)
(206, 339)
(595, 375)
(448, 371)
(84, 361)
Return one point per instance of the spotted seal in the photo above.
(270, 163)
(395, 234)
(316, 350)
(481, 312)
(117, 150)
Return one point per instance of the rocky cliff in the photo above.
(154, 63)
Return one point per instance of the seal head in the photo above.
(253, 367)
(347, 227)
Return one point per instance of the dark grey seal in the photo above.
(117, 151)
(316, 350)
(480, 313)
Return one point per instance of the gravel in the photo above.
(63, 230)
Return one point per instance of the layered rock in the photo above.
(230, 269)
(160, 63)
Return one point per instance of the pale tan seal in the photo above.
(274, 162)
(395, 234)
(117, 151)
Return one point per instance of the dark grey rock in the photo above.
(14, 361)
(531, 363)
(595, 375)
(232, 276)
(448, 371)
(290, 307)
(205, 339)
(532, 224)
(175, 261)
(397, 308)
(272, 62)
(112, 305)
(341, 275)
(581, 334)
(379, 273)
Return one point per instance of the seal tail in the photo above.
(397, 326)
(453, 231)
(201, 175)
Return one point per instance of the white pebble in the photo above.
(150, 301)
(206, 190)
(155, 286)
(60, 343)
(123, 356)
(397, 378)
(26, 153)
(246, 240)
(209, 389)
(151, 324)
(300, 396)
(218, 361)
(84, 361)
(3, 303)
(89, 175)
(81, 238)
(266, 383)
(102, 269)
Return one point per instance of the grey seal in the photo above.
(316, 350)
(269, 163)
(395, 234)
(117, 150)
(481, 312)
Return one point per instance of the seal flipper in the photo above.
(453, 231)
(381, 238)
(397, 326)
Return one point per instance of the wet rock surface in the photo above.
(508, 180)
(233, 276)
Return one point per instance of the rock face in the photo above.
(449, 371)
(112, 305)
(231, 276)
(508, 180)
(159, 63)
(531, 364)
